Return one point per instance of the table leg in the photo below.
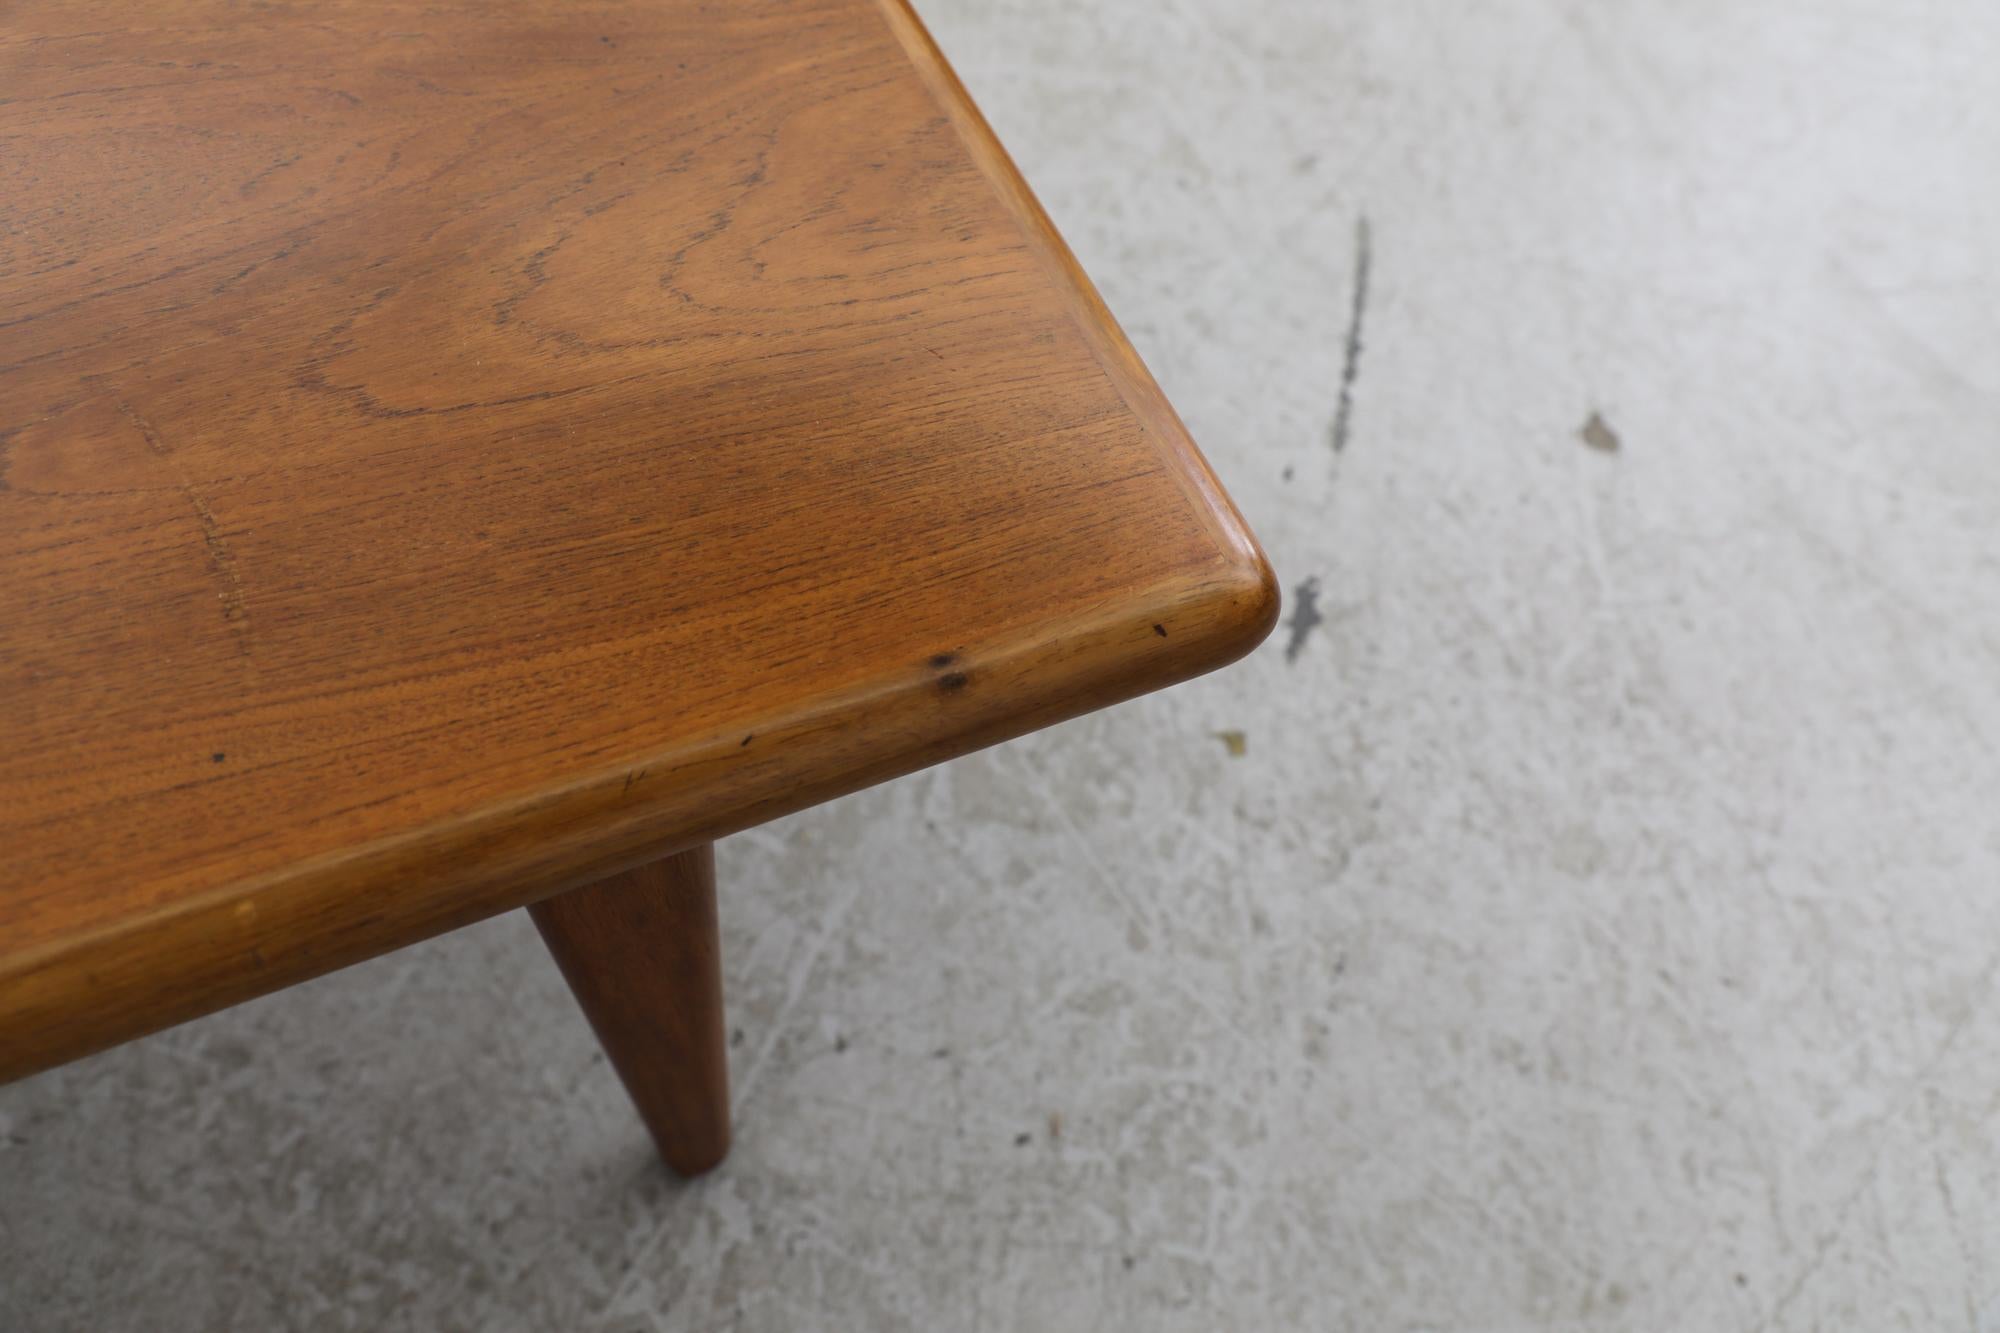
(641, 953)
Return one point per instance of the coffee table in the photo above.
(465, 456)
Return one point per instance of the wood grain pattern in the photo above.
(642, 953)
(451, 453)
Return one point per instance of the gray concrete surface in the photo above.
(1599, 928)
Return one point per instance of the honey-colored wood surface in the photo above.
(454, 452)
(642, 953)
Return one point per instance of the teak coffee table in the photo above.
(471, 455)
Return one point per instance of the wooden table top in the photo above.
(450, 452)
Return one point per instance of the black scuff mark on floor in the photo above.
(1305, 617)
(1350, 367)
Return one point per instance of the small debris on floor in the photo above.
(1598, 435)
(1236, 743)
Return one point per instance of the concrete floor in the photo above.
(1599, 928)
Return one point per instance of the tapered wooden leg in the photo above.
(642, 954)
